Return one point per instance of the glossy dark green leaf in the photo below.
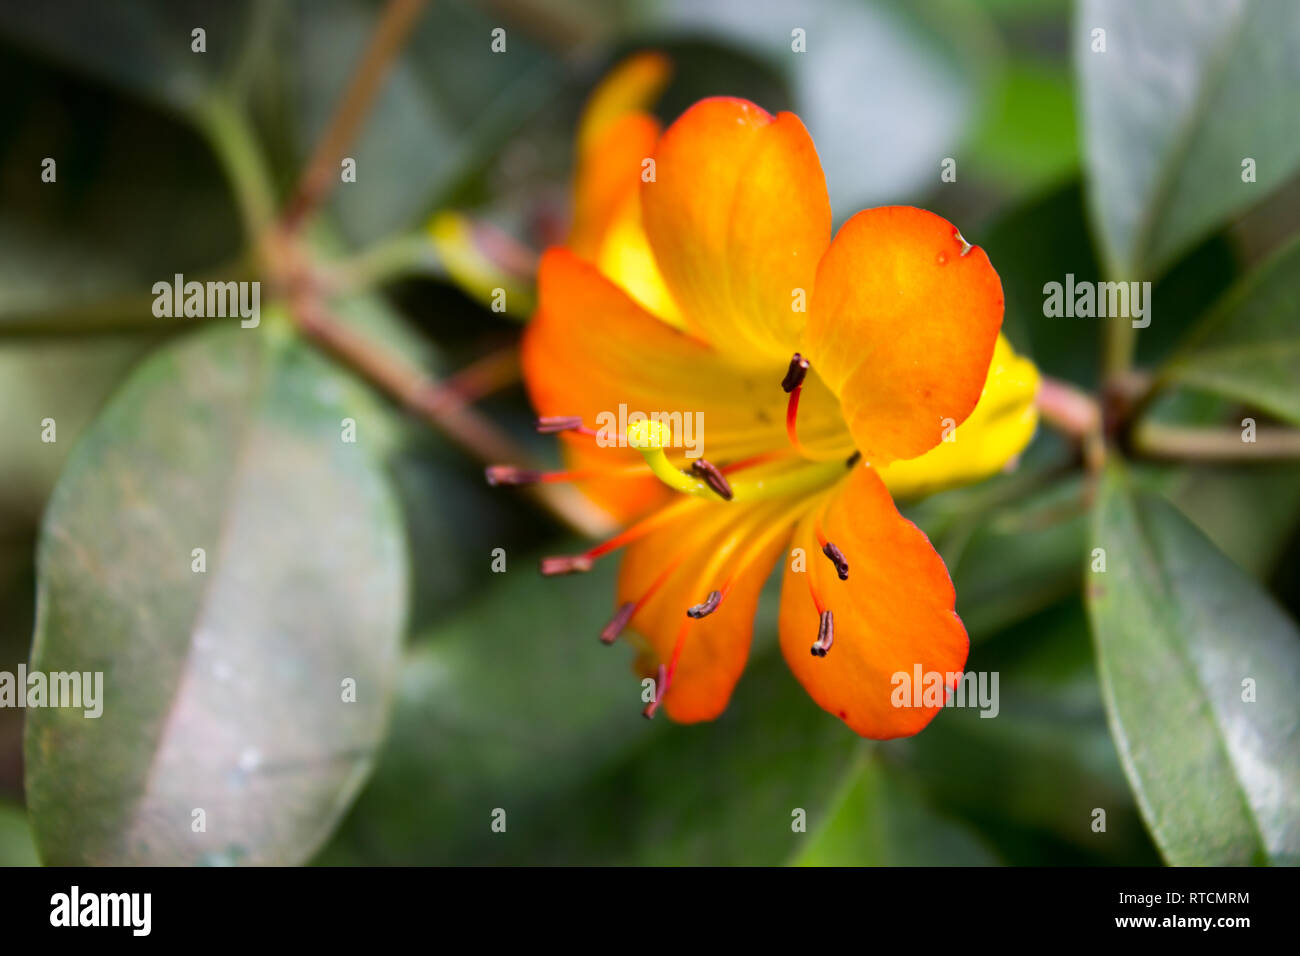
(224, 690)
(1248, 347)
(1183, 94)
(1199, 667)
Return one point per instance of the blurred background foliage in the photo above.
(504, 698)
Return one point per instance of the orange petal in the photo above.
(738, 217)
(607, 178)
(590, 349)
(893, 614)
(710, 547)
(902, 326)
(630, 87)
(623, 498)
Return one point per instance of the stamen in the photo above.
(639, 530)
(825, 634)
(554, 424)
(650, 437)
(796, 373)
(565, 564)
(853, 459)
(614, 628)
(661, 680)
(498, 475)
(793, 384)
(837, 558)
(712, 477)
(708, 607)
(509, 475)
(627, 611)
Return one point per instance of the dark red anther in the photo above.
(566, 564)
(837, 558)
(825, 635)
(510, 475)
(711, 476)
(853, 459)
(796, 373)
(609, 634)
(708, 607)
(553, 424)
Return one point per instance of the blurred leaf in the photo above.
(1184, 92)
(1045, 239)
(221, 690)
(63, 380)
(1224, 502)
(16, 845)
(448, 105)
(910, 75)
(1179, 631)
(84, 251)
(880, 820)
(1022, 559)
(142, 46)
(502, 705)
(1028, 138)
(1248, 347)
(1031, 776)
(1018, 246)
(1013, 543)
(515, 705)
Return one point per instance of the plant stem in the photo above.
(1119, 349)
(444, 406)
(1075, 413)
(241, 159)
(404, 255)
(322, 171)
(1067, 408)
(1215, 444)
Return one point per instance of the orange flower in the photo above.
(808, 363)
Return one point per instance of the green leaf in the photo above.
(515, 705)
(880, 819)
(16, 846)
(1248, 347)
(448, 106)
(222, 690)
(1199, 668)
(1183, 94)
(1032, 775)
(62, 380)
(142, 46)
(1018, 246)
(1028, 138)
(509, 703)
(910, 75)
(83, 252)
